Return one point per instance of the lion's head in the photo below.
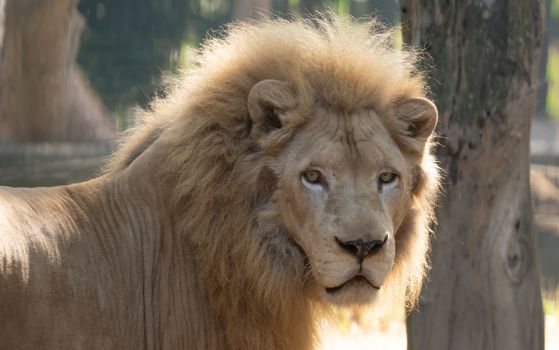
(299, 155)
(343, 184)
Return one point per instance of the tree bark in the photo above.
(43, 96)
(483, 291)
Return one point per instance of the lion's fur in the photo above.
(195, 144)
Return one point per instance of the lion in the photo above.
(290, 170)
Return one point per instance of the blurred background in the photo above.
(112, 55)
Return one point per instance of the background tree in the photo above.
(128, 44)
(484, 290)
(43, 96)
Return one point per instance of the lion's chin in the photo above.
(356, 291)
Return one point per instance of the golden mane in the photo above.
(201, 130)
(334, 61)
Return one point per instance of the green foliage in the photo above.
(551, 301)
(128, 44)
(552, 107)
(554, 13)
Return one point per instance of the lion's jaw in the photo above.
(329, 220)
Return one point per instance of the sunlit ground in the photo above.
(357, 328)
(345, 333)
(393, 337)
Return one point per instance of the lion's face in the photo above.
(343, 190)
(342, 194)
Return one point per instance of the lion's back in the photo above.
(28, 258)
(49, 291)
(27, 227)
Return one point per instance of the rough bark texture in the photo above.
(43, 96)
(484, 288)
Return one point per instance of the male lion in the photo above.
(290, 169)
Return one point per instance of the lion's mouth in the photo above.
(359, 279)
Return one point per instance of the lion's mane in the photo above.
(251, 280)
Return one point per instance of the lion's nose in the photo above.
(361, 249)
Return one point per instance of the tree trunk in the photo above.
(43, 96)
(483, 291)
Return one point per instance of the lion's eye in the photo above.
(387, 177)
(312, 176)
(387, 180)
(313, 180)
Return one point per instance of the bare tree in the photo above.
(484, 290)
(43, 96)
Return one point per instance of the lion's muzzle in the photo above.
(361, 249)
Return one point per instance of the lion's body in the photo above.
(72, 282)
(178, 244)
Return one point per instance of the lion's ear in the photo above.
(417, 118)
(269, 102)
